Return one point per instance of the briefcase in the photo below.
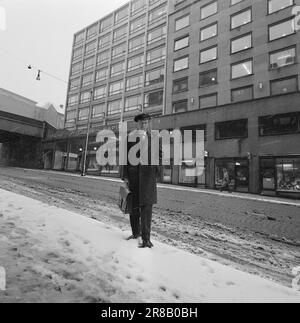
(125, 200)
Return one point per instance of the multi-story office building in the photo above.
(232, 70)
(118, 66)
(228, 67)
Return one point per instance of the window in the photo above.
(283, 58)
(116, 88)
(105, 24)
(114, 107)
(137, 6)
(137, 43)
(157, 34)
(157, 14)
(208, 78)
(242, 94)
(104, 41)
(137, 24)
(71, 117)
(92, 31)
(242, 69)
(117, 69)
(120, 33)
(76, 68)
(181, 64)
(241, 43)
(90, 47)
(98, 111)
(154, 99)
(232, 129)
(208, 55)
(134, 82)
(180, 85)
(241, 18)
(156, 55)
(276, 5)
(281, 29)
(119, 51)
(209, 10)
(100, 92)
(155, 76)
(79, 37)
(283, 86)
(102, 74)
(135, 63)
(208, 101)
(233, 2)
(209, 32)
(78, 53)
(85, 97)
(121, 14)
(103, 57)
(133, 103)
(279, 124)
(181, 43)
(87, 79)
(74, 84)
(83, 114)
(180, 106)
(182, 22)
(288, 174)
(88, 63)
(73, 100)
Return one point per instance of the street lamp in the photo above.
(83, 173)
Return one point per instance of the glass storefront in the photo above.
(235, 171)
(288, 174)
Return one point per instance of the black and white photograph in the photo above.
(149, 154)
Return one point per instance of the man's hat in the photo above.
(142, 117)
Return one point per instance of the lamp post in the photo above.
(83, 173)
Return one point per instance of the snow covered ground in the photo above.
(53, 255)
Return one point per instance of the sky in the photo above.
(40, 33)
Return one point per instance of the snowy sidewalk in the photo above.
(54, 255)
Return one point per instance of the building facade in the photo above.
(118, 66)
(227, 67)
(232, 69)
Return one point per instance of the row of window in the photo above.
(132, 103)
(134, 82)
(117, 51)
(278, 87)
(237, 19)
(133, 63)
(277, 59)
(280, 124)
(122, 15)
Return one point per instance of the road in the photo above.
(255, 236)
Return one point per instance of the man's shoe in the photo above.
(133, 237)
(146, 244)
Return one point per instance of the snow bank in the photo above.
(118, 271)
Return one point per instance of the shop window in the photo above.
(279, 124)
(288, 174)
(232, 129)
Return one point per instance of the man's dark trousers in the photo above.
(140, 221)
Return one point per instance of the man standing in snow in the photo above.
(142, 182)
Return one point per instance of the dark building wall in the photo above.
(23, 152)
